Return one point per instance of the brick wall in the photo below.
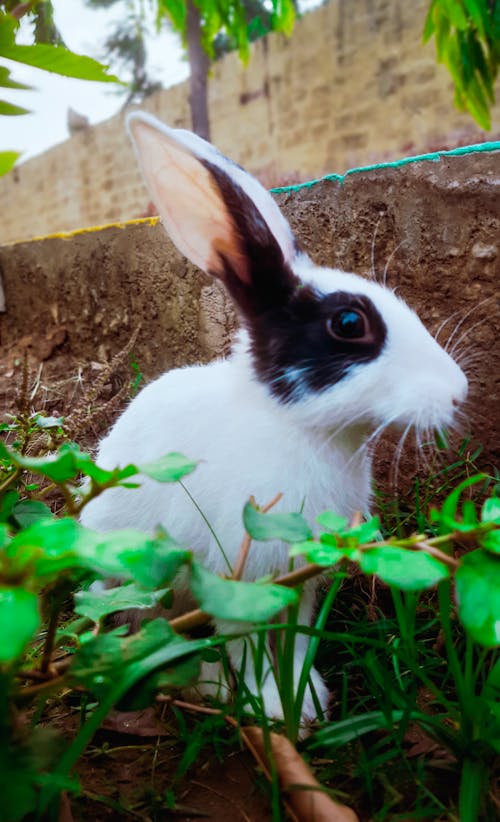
(353, 86)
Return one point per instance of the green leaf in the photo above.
(284, 16)
(42, 421)
(337, 734)
(11, 110)
(447, 517)
(59, 60)
(456, 13)
(478, 595)
(19, 619)
(29, 511)
(175, 10)
(58, 467)
(96, 605)
(4, 535)
(7, 161)
(151, 561)
(169, 468)
(46, 548)
(365, 531)
(490, 511)
(429, 25)
(8, 28)
(332, 522)
(178, 674)
(491, 541)
(7, 82)
(478, 13)
(108, 662)
(18, 779)
(287, 527)
(51, 546)
(408, 570)
(243, 601)
(358, 534)
(7, 503)
(317, 552)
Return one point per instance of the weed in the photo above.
(411, 659)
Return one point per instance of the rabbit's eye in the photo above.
(347, 324)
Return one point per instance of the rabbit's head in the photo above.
(333, 347)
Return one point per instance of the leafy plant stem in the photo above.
(445, 607)
(406, 620)
(239, 565)
(68, 499)
(208, 524)
(472, 782)
(48, 645)
(314, 641)
(286, 656)
(10, 480)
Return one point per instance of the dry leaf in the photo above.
(65, 814)
(135, 723)
(305, 795)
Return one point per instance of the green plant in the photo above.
(467, 35)
(45, 558)
(40, 564)
(43, 55)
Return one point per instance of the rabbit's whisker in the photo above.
(461, 322)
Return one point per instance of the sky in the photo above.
(84, 31)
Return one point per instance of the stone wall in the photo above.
(434, 226)
(353, 85)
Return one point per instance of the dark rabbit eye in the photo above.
(348, 324)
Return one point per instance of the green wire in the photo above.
(433, 157)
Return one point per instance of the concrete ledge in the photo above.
(435, 225)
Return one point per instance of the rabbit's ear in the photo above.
(219, 216)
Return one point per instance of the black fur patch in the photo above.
(273, 282)
(293, 351)
(295, 354)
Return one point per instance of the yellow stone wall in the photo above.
(354, 85)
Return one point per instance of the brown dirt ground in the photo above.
(123, 774)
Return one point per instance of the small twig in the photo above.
(435, 552)
(192, 619)
(242, 557)
(356, 520)
(10, 479)
(68, 499)
(189, 706)
(49, 641)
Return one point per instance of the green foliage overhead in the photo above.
(467, 36)
(47, 56)
(231, 17)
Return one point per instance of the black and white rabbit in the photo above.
(325, 359)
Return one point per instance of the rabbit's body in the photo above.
(326, 360)
(259, 454)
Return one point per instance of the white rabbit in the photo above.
(325, 359)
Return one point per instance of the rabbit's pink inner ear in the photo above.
(189, 203)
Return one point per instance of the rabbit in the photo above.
(324, 361)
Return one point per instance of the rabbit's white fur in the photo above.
(248, 441)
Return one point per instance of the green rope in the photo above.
(434, 156)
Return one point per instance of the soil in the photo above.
(131, 768)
